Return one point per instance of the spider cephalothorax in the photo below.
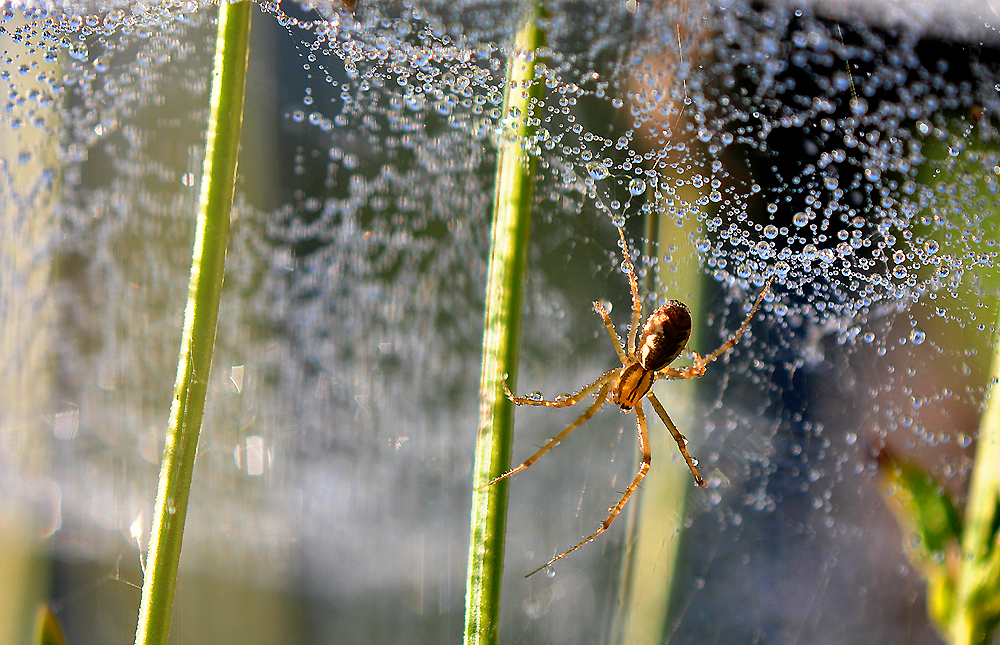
(664, 337)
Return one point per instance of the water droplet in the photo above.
(917, 337)
(770, 231)
(800, 219)
(763, 250)
(637, 186)
(597, 170)
(79, 51)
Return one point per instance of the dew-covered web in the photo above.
(854, 157)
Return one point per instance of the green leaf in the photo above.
(932, 529)
(48, 631)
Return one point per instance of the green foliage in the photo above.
(960, 557)
(932, 528)
(48, 631)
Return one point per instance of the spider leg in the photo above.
(735, 339)
(640, 424)
(676, 434)
(568, 401)
(701, 364)
(599, 308)
(633, 284)
(692, 371)
(591, 411)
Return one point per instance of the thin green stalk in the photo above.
(977, 605)
(200, 323)
(514, 191)
(651, 560)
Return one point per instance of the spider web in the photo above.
(855, 157)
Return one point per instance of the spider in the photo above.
(663, 338)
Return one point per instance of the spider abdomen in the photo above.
(664, 335)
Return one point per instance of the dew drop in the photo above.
(637, 187)
(770, 231)
(763, 250)
(917, 337)
(597, 170)
(79, 51)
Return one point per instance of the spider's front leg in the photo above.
(614, 511)
(678, 437)
(602, 398)
(561, 402)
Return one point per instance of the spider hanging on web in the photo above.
(664, 337)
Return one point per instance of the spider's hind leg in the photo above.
(633, 284)
(739, 332)
(599, 308)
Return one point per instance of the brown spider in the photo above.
(663, 338)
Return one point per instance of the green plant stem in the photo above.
(514, 191)
(200, 323)
(974, 615)
(649, 572)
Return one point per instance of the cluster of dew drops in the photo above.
(855, 226)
